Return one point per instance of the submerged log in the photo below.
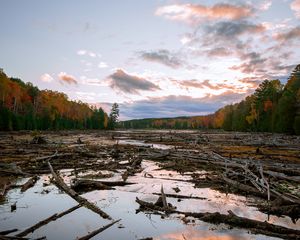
(62, 185)
(94, 233)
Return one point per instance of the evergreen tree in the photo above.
(113, 116)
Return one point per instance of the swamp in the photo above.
(149, 184)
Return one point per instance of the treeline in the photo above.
(25, 107)
(273, 107)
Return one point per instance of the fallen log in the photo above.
(8, 231)
(46, 221)
(84, 202)
(241, 222)
(293, 211)
(30, 183)
(85, 185)
(234, 221)
(94, 233)
(181, 196)
(283, 176)
(115, 183)
(164, 199)
(3, 237)
(55, 155)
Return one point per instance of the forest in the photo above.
(273, 107)
(25, 107)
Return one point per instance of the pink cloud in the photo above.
(192, 13)
(295, 6)
(64, 77)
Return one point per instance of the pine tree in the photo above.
(113, 116)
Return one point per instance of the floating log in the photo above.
(86, 185)
(233, 220)
(62, 185)
(115, 183)
(8, 231)
(30, 183)
(46, 221)
(94, 233)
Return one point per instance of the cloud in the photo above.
(232, 29)
(254, 63)
(164, 57)
(195, 13)
(64, 77)
(46, 77)
(83, 52)
(293, 34)
(265, 5)
(218, 52)
(295, 6)
(206, 84)
(127, 83)
(102, 65)
(174, 106)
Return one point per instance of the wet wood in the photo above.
(234, 221)
(46, 221)
(8, 231)
(85, 185)
(84, 202)
(96, 232)
(164, 199)
(30, 183)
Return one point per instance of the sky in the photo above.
(155, 58)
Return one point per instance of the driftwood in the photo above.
(46, 221)
(85, 185)
(94, 233)
(55, 155)
(115, 183)
(30, 183)
(283, 176)
(4, 237)
(164, 199)
(235, 221)
(293, 211)
(84, 202)
(181, 196)
(8, 231)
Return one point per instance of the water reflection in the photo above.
(45, 199)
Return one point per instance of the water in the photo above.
(44, 199)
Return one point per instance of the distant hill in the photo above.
(273, 107)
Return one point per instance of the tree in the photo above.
(113, 116)
(288, 104)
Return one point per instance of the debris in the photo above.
(94, 233)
